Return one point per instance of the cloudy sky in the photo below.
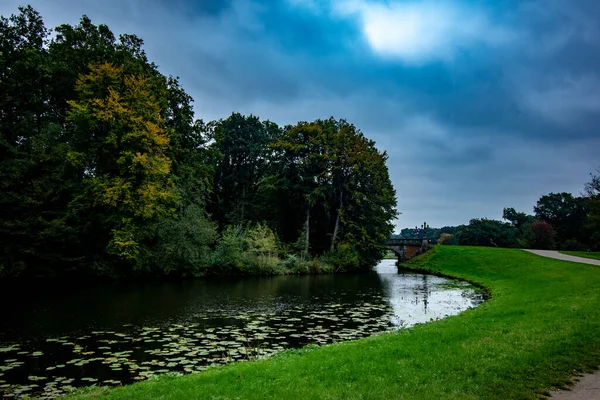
(480, 105)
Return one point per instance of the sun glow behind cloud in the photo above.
(417, 32)
(490, 90)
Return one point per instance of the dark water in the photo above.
(53, 339)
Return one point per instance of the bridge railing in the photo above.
(404, 242)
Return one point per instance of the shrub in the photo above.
(543, 235)
(574, 245)
(343, 258)
(261, 241)
(229, 254)
(184, 244)
(446, 239)
(296, 265)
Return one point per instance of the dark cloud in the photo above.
(192, 9)
(499, 112)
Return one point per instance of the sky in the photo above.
(480, 105)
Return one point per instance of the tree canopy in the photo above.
(561, 221)
(105, 171)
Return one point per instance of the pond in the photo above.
(54, 339)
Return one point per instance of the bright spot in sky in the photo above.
(404, 31)
(419, 32)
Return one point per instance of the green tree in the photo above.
(34, 235)
(97, 147)
(229, 257)
(487, 232)
(121, 153)
(188, 152)
(566, 214)
(523, 224)
(242, 147)
(343, 184)
(39, 220)
(446, 239)
(183, 244)
(517, 219)
(592, 193)
(303, 178)
(371, 204)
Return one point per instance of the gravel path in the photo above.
(587, 386)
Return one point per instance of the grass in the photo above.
(390, 255)
(584, 254)
(541, 325)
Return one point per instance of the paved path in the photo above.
(587, 386)
(560, 256)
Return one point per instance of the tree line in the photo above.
(105, 171)
(560, 221)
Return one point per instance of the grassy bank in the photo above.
(542, 324)
(584, 254)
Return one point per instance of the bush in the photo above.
(344, 258)
(269, 266)
(250, 251)
(446, 239)
(229, 255)
(261, 241)
(184, 245)
(543, 235)
(296, 265)
(574, 245)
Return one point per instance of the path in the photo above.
(587, 386)
(560, 256)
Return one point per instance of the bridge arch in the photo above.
(406, 249)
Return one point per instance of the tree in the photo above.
(446, 239)
(97, 147)
(517, 219)
(184, 244)
(566, 214)
(34, 235)
(542, 236)
(120, 146)
(487, 232)
(371, 204)
(43, 206)
(592, 199)
(343, 184)
(522, 223)
(241, 144)
(304, 179)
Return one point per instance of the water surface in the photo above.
(53, 339)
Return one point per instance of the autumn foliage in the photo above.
(105, 171)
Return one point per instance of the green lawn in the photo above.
(585, 254)
(390, 255)
(541, 325)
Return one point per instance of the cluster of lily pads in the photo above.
(56, 366)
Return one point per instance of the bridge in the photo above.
(407, 248)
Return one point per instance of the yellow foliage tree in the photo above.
(121, 149)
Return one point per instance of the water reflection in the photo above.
(418, 298)
(59, 338)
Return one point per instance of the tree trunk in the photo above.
(307, 230)
(337, 223)
(242, 203)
